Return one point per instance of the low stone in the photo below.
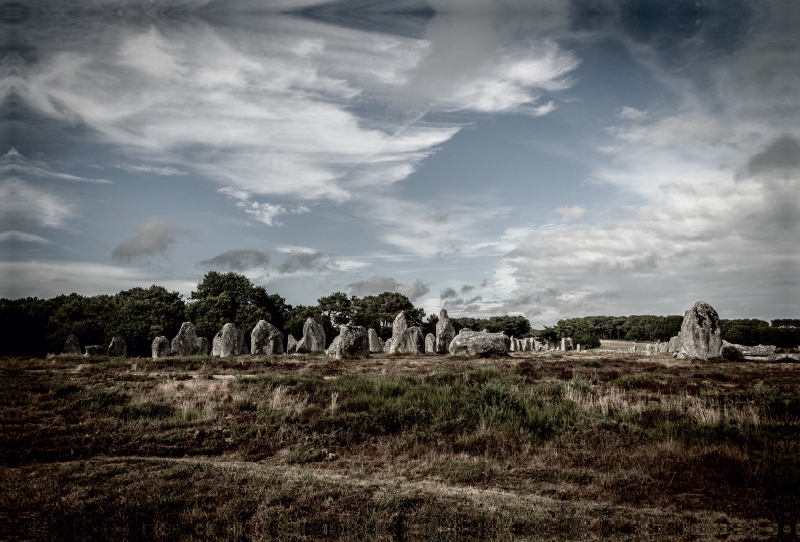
(291, 345)
(185, 342)
(266, 339)
(471, 343)
(701, 336)
(313, 340)
(484, 330)
(375, 345)
(117, 348)
(755, 351)
(351, 343)
(96, 350)
(160, 348)
(430, 343)
(674, 344)
(387, 346)
(663, 348)
(201, 346)
(228, 341)
(651, 349)
(71, 347)
(445, 333)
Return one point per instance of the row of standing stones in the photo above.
(699, 338)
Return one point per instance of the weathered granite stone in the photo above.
(313, 340)
(484, 330)
(564, 344)
(760, 351)
(291, 345)
(185, 342)
(387, 346)
(96, 350)
(470, 343)
(228, 341)
(512, 345)
(266, 339)
(651, 350)
(160, 348)
(351, 343)
(412, 341)
(674, 344)
(375, 345)
(399, 327)
(663, 348)
(578, 348)
(445, 332)
(701, 337)
(71, 347)
(201, 346)
(430, 343)
(117, 348)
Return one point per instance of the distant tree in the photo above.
(297, 319)
(230, 297)
(379, 311)
(84, 317)
(141, 315)
(337, 307)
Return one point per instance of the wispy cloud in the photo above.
(379, 284)
(238, 259)
(19, 236)
(15, 165)
(153, 236)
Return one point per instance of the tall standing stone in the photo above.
(117, 348)
(266, 339)
(445, 333)
(399, 327)
(71, 347)
(313, 340)
(701, 336)
(563, 344)
(412, 341)
(229, 341)
(430, 343)
(160, 347)
(185, 343)
(375, 345)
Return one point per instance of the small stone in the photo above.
(160, 348)
(71, 347)
(117, 348)
(471, 343)
(95, 350)
(430, 343)
(266, 339)
(291, 345)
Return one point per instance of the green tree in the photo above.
(141, 315)
(379, 311)
(337, 307)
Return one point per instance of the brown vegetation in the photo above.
(397, 447)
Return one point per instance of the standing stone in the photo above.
(95, 350)
(291, 345)
(662, 348)
(399, 327)
(71, 347)
(430, 343)
(412, 341)
(160, 347)
(266, 339)
(375, 345)
(651, 349)
(387, 346)
(674, 344)
(117, 348)
(351, 343)
(578, 348)
(563, 344)
(185, 342)
(201, 346)
(313, 340)
(512, 345)
(445, 333)
(701, 337)
(229, 341)
(471, 343)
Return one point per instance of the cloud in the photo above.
(263, 212)
(447, 293)
(466, 288)
(153, 236)
(378, 284)
(165, 171)
(630, 113)
(14, 164)
(18, 236)
(21, 202)
(782, 154)
(305, 261)
(238, 259)
(571, 213)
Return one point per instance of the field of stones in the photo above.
(524, 446)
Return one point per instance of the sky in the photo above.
(549, 159)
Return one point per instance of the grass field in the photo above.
(527, 447)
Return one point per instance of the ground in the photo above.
(595, 445)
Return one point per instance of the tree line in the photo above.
(35, 327)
